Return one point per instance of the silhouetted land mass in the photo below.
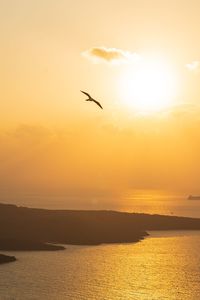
(6, 259)
(20, 225)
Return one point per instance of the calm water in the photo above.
(164, 266)
(153, 202)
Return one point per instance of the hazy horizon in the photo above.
(140, 60)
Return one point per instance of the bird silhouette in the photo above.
(91, 99)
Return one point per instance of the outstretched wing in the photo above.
(97, 103)
(86, 94)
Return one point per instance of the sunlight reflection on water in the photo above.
(141, 201)
(159, 202)
(164, 266)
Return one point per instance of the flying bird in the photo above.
(91, 99)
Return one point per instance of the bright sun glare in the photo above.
(149, 87)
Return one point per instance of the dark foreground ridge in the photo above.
(20, 226)
(6, 259)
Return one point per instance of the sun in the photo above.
(149, 87)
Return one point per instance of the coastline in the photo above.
(35, 229)
(11, 244)
(6, 259)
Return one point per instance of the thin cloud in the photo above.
(111, 55)
(193, 66)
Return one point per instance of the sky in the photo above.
(139, 58)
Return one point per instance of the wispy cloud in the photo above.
(111, 55)
(193, 66)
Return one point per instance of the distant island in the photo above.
(6, 259)
(33, 229)
(24, 228)
(191, 197)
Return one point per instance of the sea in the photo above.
(165, 265)
(139, 201)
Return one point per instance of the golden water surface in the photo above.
(164, 266)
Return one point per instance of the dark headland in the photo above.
(6, 259)
(24, 228)
(18, 244)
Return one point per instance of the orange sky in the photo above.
(52, 140)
